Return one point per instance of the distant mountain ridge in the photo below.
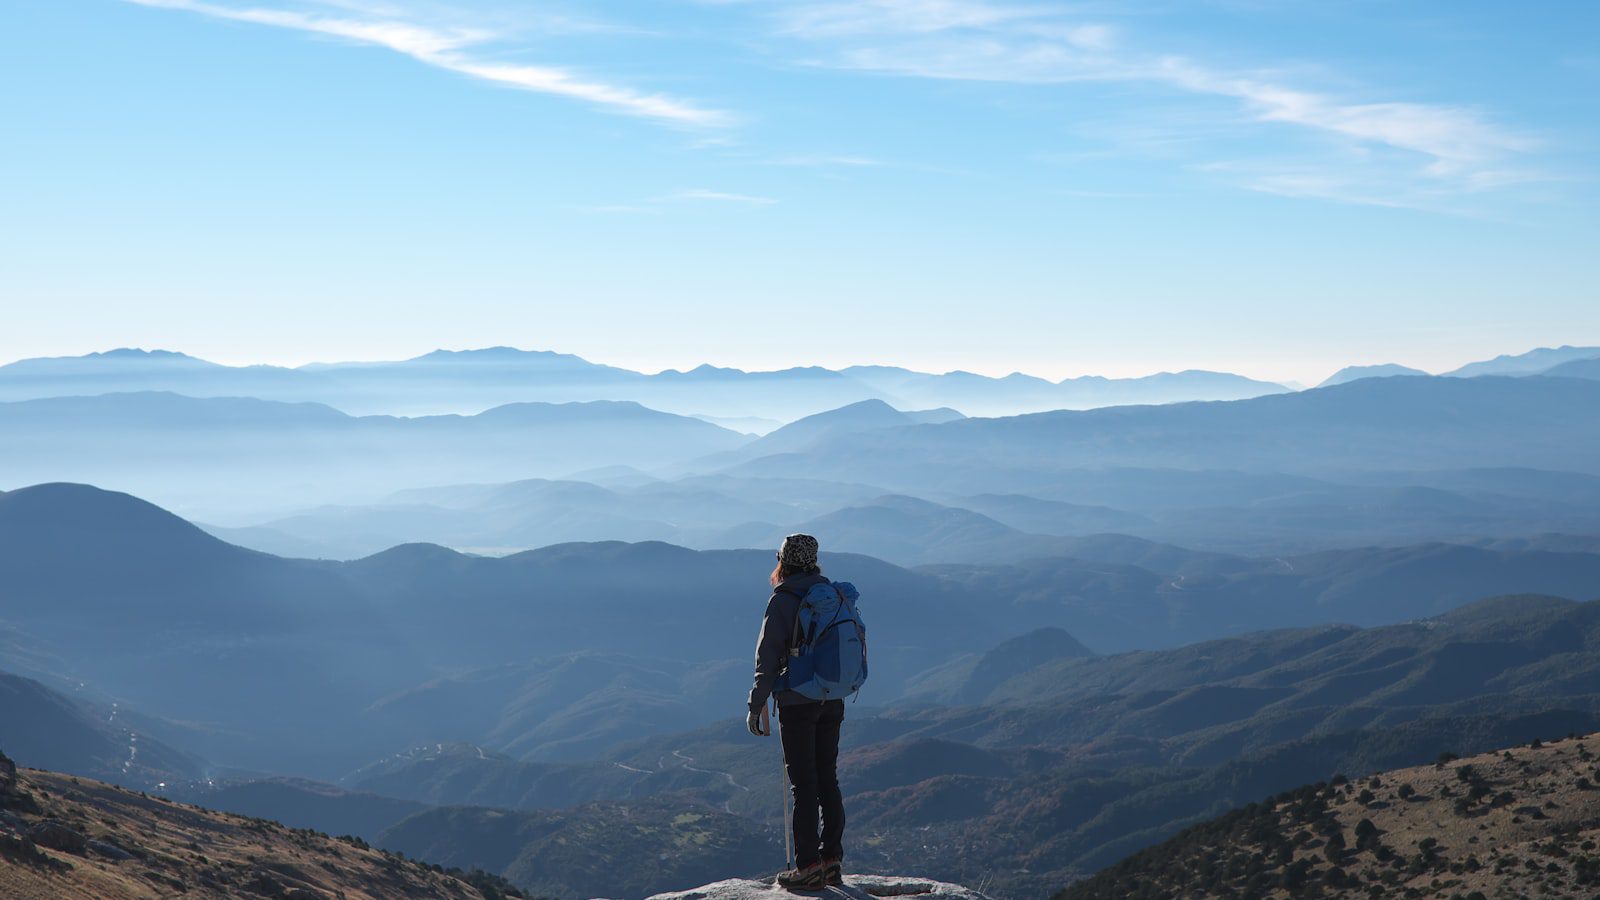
(1064, 761)
(468, 381)
(183, 624)
(1576, 368)
(1355, 373)
(1384, 423)
(1533, 362)
(225, 450)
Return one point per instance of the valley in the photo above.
(1077, 653)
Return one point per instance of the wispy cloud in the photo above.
(822, 162)
(828, 19)
(658, 204)
(700, 194)
(450, 48)
(1449, 148)
(621, 209)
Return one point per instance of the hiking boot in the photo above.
(833, 872)
(807, 878)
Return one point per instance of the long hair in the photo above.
(781, 571)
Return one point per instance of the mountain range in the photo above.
(1373, 424)
(1534, 362)
(1356, 373)
(119, 592)
(1032, 789)
(1065, 742)
(224, 452)
(1385, 460)
(518, 639)
(469, 381)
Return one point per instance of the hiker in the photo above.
(811, 654)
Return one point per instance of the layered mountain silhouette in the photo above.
(1081, 761)
(1356, 373)
(467, 381)
(1385, 460)
(577, 852)
(971, 679)
(187, 627)
(527, 647)
(223, 452)
(1533, 362)
(47, 728)
(839, 424)
(1370, 424)
(446, 381)
(1577, 368)
(408, 674)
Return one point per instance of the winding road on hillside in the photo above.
(133, 741)
(688, 763)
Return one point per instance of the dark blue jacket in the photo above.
(777, 630)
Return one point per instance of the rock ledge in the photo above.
(857, 887)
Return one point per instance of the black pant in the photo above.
(810, 735)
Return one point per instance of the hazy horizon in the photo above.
(1277, 190)
(1128, 371)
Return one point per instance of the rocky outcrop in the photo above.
(57, 836)
(858, 887)
(13, 799)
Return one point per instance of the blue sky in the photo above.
(1274, 188)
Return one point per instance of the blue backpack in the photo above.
(828, 652)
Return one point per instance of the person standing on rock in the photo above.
(811, 654)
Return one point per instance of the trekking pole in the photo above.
(788, 823)
(783, 770)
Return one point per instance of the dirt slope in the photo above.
(62, 837)
(1523, 822)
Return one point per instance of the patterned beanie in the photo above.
(799, 551)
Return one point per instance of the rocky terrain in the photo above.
(862, 887)
(1521, 822)
(62, 836)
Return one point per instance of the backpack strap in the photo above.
(794, 639)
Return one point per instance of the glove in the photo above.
(754, 723)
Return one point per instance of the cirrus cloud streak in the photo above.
(449, 47)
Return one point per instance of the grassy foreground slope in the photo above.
(1521, 822)
(68, 837)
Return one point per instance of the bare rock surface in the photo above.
(856, 887)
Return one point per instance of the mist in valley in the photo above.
(1147, 613)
